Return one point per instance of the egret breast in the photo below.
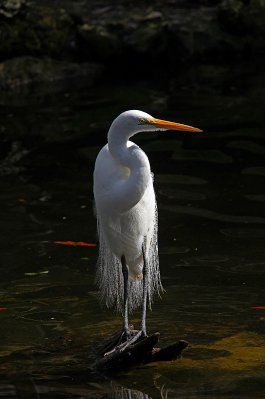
(124, 232)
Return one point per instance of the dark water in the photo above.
(210, 192)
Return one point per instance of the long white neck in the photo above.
(129, 191)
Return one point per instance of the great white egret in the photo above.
(128, 268)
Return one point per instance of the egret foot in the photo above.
(129, 337)
(126, 334)
(119, 340)
(124, 345)
(130, 341)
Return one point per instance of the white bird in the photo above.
(128, 267)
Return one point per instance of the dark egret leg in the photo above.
(145, 292)
(125, 299)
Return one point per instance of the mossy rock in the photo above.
(36, 30)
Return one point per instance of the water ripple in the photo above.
(212, 215)
(179, 179)
(249, 233)
(255, 197)
(182, 195)
(254, 170)
(213, 156)
(247, 145)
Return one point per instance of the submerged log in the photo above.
(137, 350)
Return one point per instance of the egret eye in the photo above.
(143, 121)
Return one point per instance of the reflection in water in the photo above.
(30, 388)
(126, 393)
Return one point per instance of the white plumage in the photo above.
(126, 211)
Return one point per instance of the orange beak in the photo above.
(172, 125)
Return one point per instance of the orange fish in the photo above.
(75, 243)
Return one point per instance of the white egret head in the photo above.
(135, 121)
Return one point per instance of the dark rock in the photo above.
(244, 25)
(176, 30)
(98, 43)
(10, 8)
(35, 30)
(129, 36)
(23, 73)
